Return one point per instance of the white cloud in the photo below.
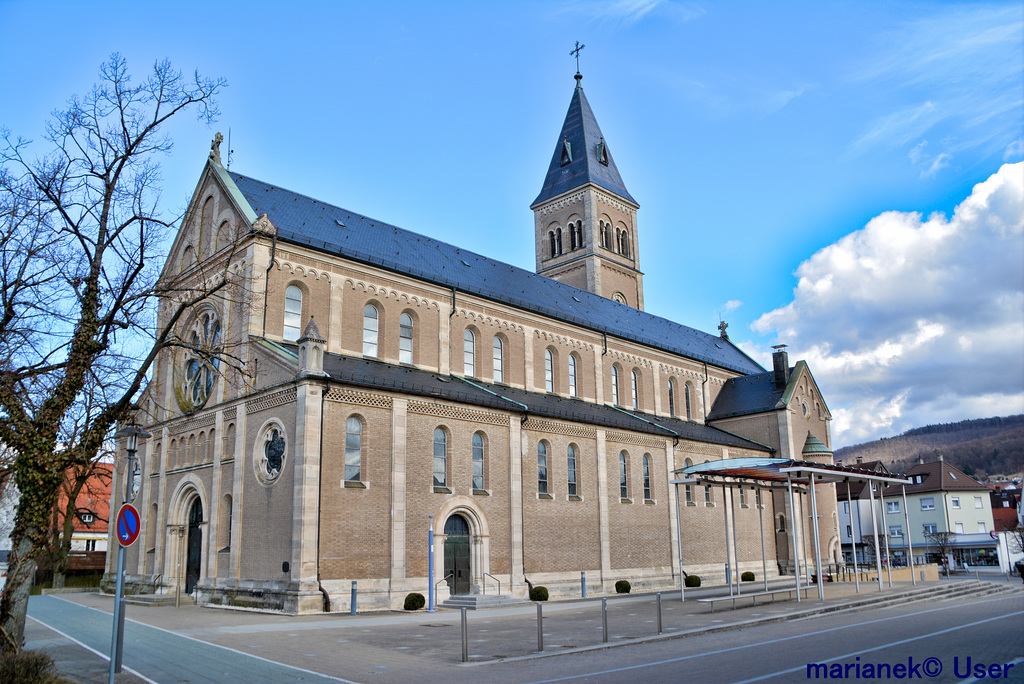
(914, 320)
(1014, 150)
(629, 12)
(731, 305)
(940, 162)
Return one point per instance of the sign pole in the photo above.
(430, 565)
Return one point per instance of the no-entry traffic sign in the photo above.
(127, 525)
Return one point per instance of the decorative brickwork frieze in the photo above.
(457, 413)
(270, 401)
(555, 427)
(347, 396)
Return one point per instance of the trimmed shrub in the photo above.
(414, 601)
(747, 576)
(539, 594)
(28, 667)
(692, 581)
(622, 587)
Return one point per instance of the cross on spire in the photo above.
(576, 53)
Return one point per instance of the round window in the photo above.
(197, 366)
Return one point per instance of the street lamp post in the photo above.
(131, 434)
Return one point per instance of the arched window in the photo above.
(689, 488)
(469, 353)
(671, 397)
(405, 338)
(647, 477)
(707, 494)
(542, 468)
(558, 240)
(224, 524)
(615, 385)
(549, 370)
(782, 523)
(478, 461)
(440, 458)
(686, 398)
(623, 475)
(353, 449)
(551, 239)
(499, 360)
(571, 463)
(625, 243)
(635, 388)
(579, 234)
(370, 316)
(572, 376)
(292, 313)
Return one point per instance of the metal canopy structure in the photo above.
(778, 473)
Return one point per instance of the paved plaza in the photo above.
(196, 644)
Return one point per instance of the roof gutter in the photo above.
(633, 415)
(524, 407)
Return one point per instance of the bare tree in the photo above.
(941, 543)
(80, 233)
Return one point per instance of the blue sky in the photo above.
(779, 152)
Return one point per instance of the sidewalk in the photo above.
(392, 646)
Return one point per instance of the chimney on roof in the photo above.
(780, 362)
(860, 459)
(941, 459)
(920, 460)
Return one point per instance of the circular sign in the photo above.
(127, 525)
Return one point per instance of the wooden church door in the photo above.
(456, 554)
(194, 546)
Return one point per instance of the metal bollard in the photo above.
(465, 638)
(353, 597)
(583, 583)
(540, 627)
(604, 619)
(659, 611)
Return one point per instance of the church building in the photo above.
(354, 385)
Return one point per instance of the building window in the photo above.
(353, 449)
(440, 458)
(981, 528)
(549, 370)
(896, 530)
(571, 462)
(615, 385)
(849, 531)
(757, 497)
(292, 313)
(672, 397)
(90, 544)
(499, 360)
(370, 318)
(686, 399)
(623, 475)
(405, 338)
(931, 528)
(542, 468)
(977, 502)
(469, 353)
(892, 506)
(647, 477)
(928, 504)
(87, 518)
(478, 461)
(689, 488)
(572, 376)
(959, 528)
(846, 507)
(954, 501)
(743, 497)
(635, 387)
(707, 495)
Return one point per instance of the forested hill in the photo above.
(983, 448)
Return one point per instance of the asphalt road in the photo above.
(959, 635)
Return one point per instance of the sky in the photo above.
(845, 178)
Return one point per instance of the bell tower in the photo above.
(584, 218)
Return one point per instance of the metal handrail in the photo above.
(487, 574)
(443, 579)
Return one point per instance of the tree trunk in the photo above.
(21, 570)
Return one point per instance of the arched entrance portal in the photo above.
(194, 546)
(456, 555)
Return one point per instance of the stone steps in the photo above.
(478, 601)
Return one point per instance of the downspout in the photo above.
(526, 409)
(266, 283)
(605, 336)
(704, 393)
(633, 415)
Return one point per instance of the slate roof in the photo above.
(747, 395)
(305, 221)
(378, 375)
(938, 476)
(584, 136)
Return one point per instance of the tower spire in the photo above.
(576, 52)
